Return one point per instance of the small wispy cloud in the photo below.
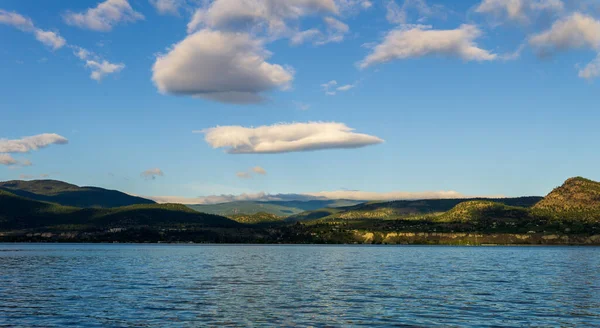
(301, 105)
(31, 177)
(249, 173)
(6, 159)
(29, 144)
(152, 174)
(327, 87)
(243, 175)
(168, 7)
(104, 16)
(323, 195)
(259, 170)
(49, 38)
(99, 67)
(331, 88)
(420, 41)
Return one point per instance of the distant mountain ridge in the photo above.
(67, 194)
(278, 208)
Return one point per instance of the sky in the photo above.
(200, 101)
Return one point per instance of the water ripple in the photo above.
(320, 286)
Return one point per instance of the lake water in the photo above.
(50, 285)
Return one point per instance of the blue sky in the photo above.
(479, 97)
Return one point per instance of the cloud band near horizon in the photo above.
(322, 195)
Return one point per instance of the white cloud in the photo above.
(99, 67)
(27, 144)
(331, 88)
(349, 6)
(259, 170)
(301, 105)
(29, 176)
(16, 20)
(81, 53)
(283, 138)
(272, 16)
(152, 174)
(221, 66)
(6, 159)
(104, 16)
(592, 70)
(305, 36)
(26, 162)
(418, 42)
(244, 175)
(336, 30)
(397, 14)
(100, 70)
(327, 87)
(575, 31)
(346, 87)
(168, 7)
(336, 25)
(48, 38)
(248, 174)
(518, 10)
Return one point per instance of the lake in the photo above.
(118, 285)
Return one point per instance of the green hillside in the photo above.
(70, 195)
(18, 212)
(278, 208)
(487, 214)
(314, 215)
(257, 218)
(402, 209)
(577, 199)
(21, 213)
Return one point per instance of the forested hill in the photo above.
(71, 195)
(18, 213)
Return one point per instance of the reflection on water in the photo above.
(181, 286)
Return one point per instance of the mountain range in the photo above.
(64, 212)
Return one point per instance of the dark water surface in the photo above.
(49, 285)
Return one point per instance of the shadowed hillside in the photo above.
(21, 213)
(70, 195)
